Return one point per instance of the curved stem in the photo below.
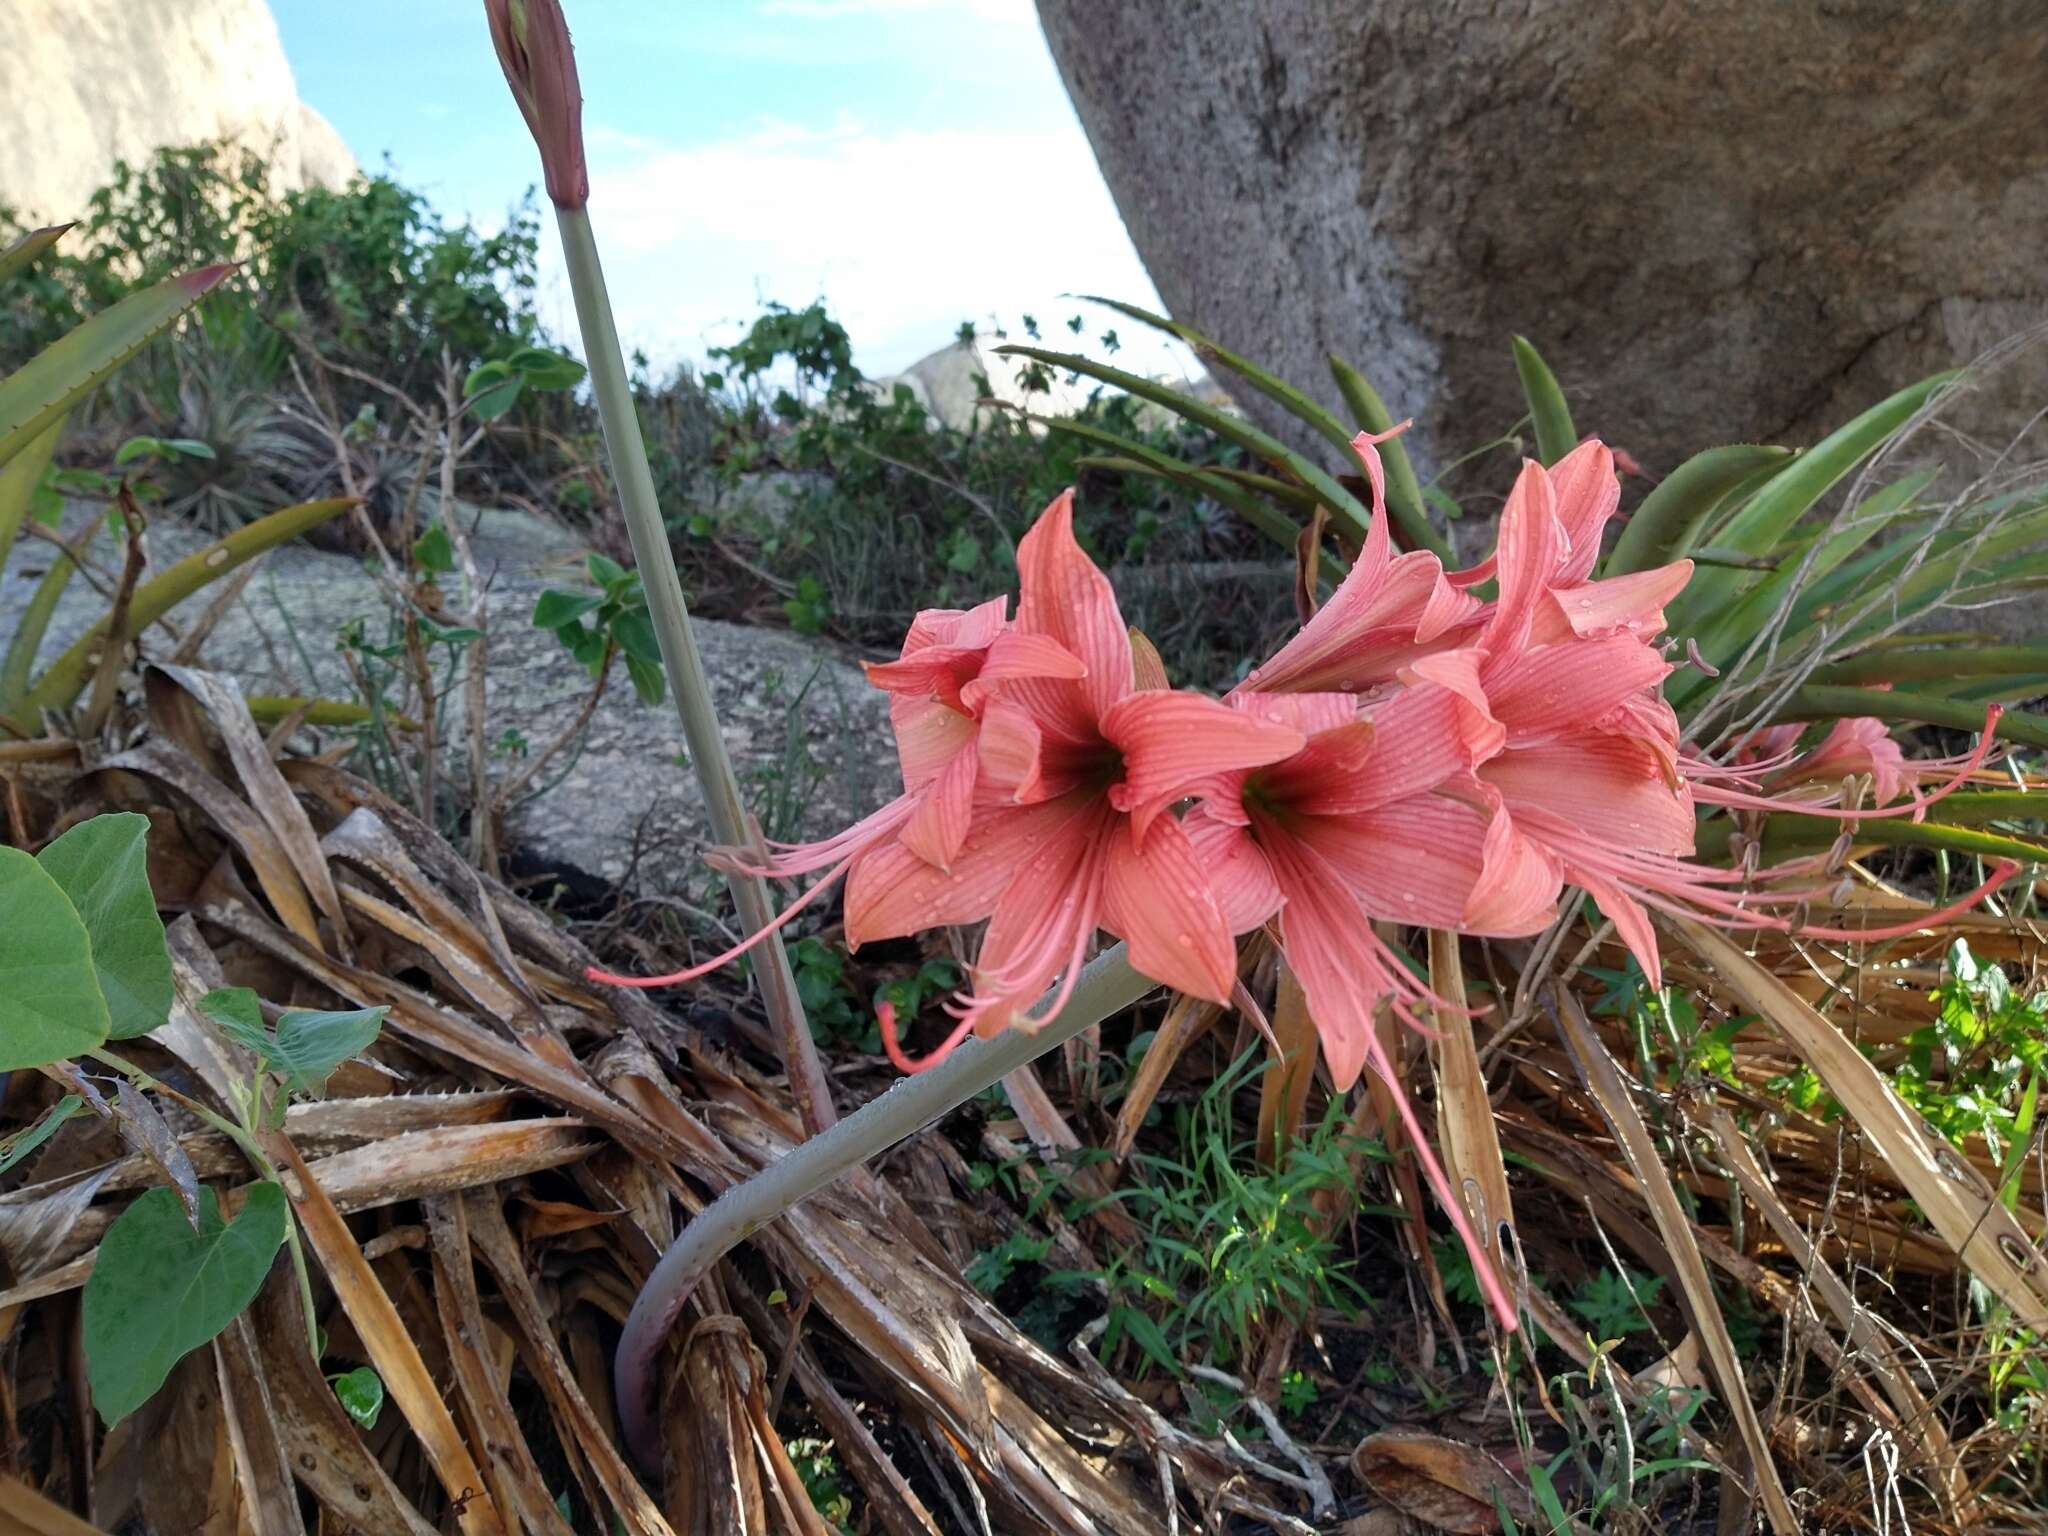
(1106, 986)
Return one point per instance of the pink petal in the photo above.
(1238, 872)
(1009, 747)
(1588, 494)
(1518, 886)
(928, 736)
(1014, 654)
(1629, 919)
(1306, 712)
(1148, 667)
(1414, 861)
(1062, 595)
(891, 892)
(1634, 602)
(1173, 740)
(1555, 689)
(1042, 922)
(1362, 636)
(1479, 734)
(1603, 788)
(1416, 744)
(1527, 552)
(938, 826)
(1156, 897)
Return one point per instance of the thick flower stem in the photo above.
(1106, 986)
(684, 665)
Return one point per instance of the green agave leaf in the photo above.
(60, 684)
(24, 1141)
(1971, 541)
(20, 659)
(1272, 386)
(1975, 807)
(1663, 527)
(159, 1289)
(103, 866)
(1936, 664)
(21, 477)
(1269, 520)
(44, 388)
(1404, 491)
(1817, 701)
(1552, 419)
(1768, 516)
(1732, 630)
(1345, 507)
(50, 1003)
(30, 248)
(1784, 834)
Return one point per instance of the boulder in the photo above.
(1718, 221)
(809, 738)
(84, 83)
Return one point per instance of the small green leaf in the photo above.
(103, 866)
(497, 400)
(240, 1017)
(433, 552)
(545, 369)
(635, 633)
(648, 680)
(1552, 419)
(190, 447)
(24, 1141)
(137, 448)
(554, 608)
(50, 1002)
(362, 1393)
(160, 1289)
(309, 1046)
(605, 571)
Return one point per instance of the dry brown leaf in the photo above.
(24, 1512)
(1447, 1484)
(391, 1347)
(267, 792)
(576, 1421)
(1465, 1126)
(1959, 1203)
(1284, 1086)
(269, 1503)
(1703, 1309)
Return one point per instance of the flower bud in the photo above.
(532, 39)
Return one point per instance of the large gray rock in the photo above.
(84, 83)
(1719, 221)
(809, 739)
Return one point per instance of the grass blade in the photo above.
(1548, 414)
(1668, 522)
(35, 621)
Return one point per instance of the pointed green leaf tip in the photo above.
(160, 1289)
(1548, 414)
(103, 867)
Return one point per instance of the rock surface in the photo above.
(1718, 221)
(84, 83)
(809, 738)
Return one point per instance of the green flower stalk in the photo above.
(532, 39)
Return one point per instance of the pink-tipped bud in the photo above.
(532, 39)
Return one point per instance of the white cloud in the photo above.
(904, 234)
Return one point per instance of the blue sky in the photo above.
(914, 162)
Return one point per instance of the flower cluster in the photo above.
(1416, 755)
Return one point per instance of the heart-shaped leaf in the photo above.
(50, 1003)
(103, 866)
(160, 1289)
(240, 1017)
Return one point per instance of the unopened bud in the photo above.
(532, 39)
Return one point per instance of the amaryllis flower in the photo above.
(1560, 712)
(1039, 782)
(1860, 747)
(1076, 833)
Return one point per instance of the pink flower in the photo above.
(1039, 782)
